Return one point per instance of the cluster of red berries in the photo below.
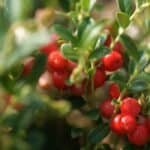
(61, 68)
(127, 121)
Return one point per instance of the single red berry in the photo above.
(116, 126)
(49, 47)
(56, 62)
(118, 47)
(139, 136)
(130, 106)
(77, 90)
(128, 123)
(59, 79)
(114, 90)
(148, 125)
(71, 65)
(112, 61)
(28, 65)
(108, 41)
(99, 78)
(106, 108)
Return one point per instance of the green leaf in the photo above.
(65, 33)
(138, 85)
(144, 76)
(87, 5)
(123, 19)
(29, 45)
(76, 132)
(17, 10)
(82, 26)
(68, 52)
(90, 35)
(104, 147)
(144, 61)
(125, 6)
(93, 114)
(131, 66)
(128, 146)
(99, 52)
(98, 134)
(131, 48)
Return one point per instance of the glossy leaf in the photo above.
(99, 133)
(68, 52)
(125, 6)
(131, 47)
(99, 53)
(64, 33)
(90, 35)
(138, 85)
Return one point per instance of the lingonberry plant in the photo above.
(70, 76)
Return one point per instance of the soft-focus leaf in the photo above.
(29, 45)
(87, 5)
(99, 133)
(123, 19)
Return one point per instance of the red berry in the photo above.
(148, 125)
(28, 65)
(71, 65)
(139, 136)
(108, 40)
(112, 61)
(56, 62)
(118, 47)
(114, 90)
(128, 123)
(106, 108)
(59, 79)
(51, 46)
(48, 48)
(116, 126)
(99, 78)
(77, 90)
(130, 106)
